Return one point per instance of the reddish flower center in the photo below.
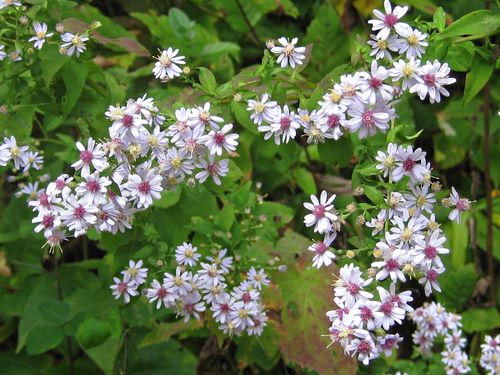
(48, 221)
(365, 313)
(333, 121)
(144, 187)
(189, 307)
(162, 293)
(86, 156)
(127, 120)
(429, 79)
(463, 204)
(430, 252)
(390, 20)
(320, 247)
(213, 169)
(432, 275)
(93, 186)
(375, 83)
(219, 138)
(386, 307)
(285, 123)
(122, 287)
(391, 265)
(408, 164)
(388, 344)
(79, 211)
(364, 347)
(43, 199)
(224, 307)
(319, 211)
(352, 288)
(367, 118)
(246, 297)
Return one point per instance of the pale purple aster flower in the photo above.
(167, 66)
(430, 81)
(288, 53)
(385, 23)
(321, 215)
(218, 140)
(125, 289)
(40, 34)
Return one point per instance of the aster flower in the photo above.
(221, 260)
(461, 204)
(218, 140)
(241, 315)
(201, 116)
(381, 47)
(406, 70)
(257, 278)
(191, 306)
(284, 125)
(33, 160)
(167, 66)
(288, 53)
(93, 189)
(40, 34)
(372, 84)
(6, 3)
(221, 308)
(124, 289)
(429, 280)
(163, 296)
(430, 81)
(73, 43)
(391, 266)
(3, 55)
(135, 272)
(262, 110)
(18, 154)
(364, 348)
(180, 283)
(323, 255)
(410, 163)
(321, 215)
(349, 286)
(386, 23)
(143, 189)
(177, 163)
(77, 215)
(213, 168)
(91, 155)
(187, 255)
(368, 119)
(413, 43)
(365, 314)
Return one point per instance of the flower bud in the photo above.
(95, 25)
(237, 97)
(436, 186)
(270, 44)
(377, 253)
(351, 207)
(4, 109)
(282, 268)
(371, 272)
(186, 70)
(350, 254)
(60, 28)
(446, 202)
(191, 182)
(360, 220)
(358, 191)
(24, 20)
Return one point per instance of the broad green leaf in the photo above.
(243, 116)
(336, 153)
(459, 56)
(219, 48)
(305, 180)
(373, 194)
(480, 72)
(182, 26)
(477, 23)
(439, 19)
(164, 331)
(307, 296)
(56, 312)
(93, 332)
(169, 198)
(480, 320)
(74, 76)
(51, 61)
(207, 80)
(43, 338)
(457, 235)
(457, 286)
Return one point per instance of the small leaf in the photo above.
(480, 72)
(242, 116)
(373, 194)
(207, 80)
(439, 19)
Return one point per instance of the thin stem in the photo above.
(253, 35)
(487, 188)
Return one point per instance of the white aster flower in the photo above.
(143, 189)
(262, 110)
(381, 47)
(430, 81)
(323, 255)
(167, 66)
(385, 23)
(218, 140)
(73, 43)
(187, 255)
(124, 289)
(135, 272)
(413, 43)
(288, 53)
(321, 215)
(40, 34)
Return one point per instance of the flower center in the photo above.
(127, 120)
(219, 138)
(391, 265)
(364, 347)
(386, 307)
(412, 40)
(40, 34)
(320, 247)
(285, 123)
(246, 297)
(177, 162)
(390, 20)
(429, 79)
(86, 156)
(162, 293)
(288, 50)
(365, 313)
(430, 252)
(408, 164)
(463, 204)
(93, 186)
(165, 61)
(79, 211)
(319, 211)
(213, 169)
(333, 121)
(407, 71)
(335, 96)
(48, 221)
(406, 234)
(432, 275)
(352, 288)
(259, 107)
(144, 187)
(421, 201)
(43, 199)
(375, 83)
(122, 287)
(382, 44)
(367, 118)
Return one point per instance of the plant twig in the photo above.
(487, 188)
(253, 34)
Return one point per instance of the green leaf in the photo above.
(305, 180)
(459, 56)
(457, 286)
(43, 338)
(439, 19)
(373, 194)
(207, 80)
(181, 24)
(219, 48)
(243, 116)
(74, 76)
(480, 320)
(169, 198)
(336, 153)
(457, 235)
(93, 332)
(477, 23)
(51, 61)
(480, 72)
(56, 312)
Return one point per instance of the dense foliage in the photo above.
(181, 155)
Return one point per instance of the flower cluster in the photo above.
(410, 243)
(361, 102)
(490, 355)
(433, 321)
(124, 174)
(199, 287)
